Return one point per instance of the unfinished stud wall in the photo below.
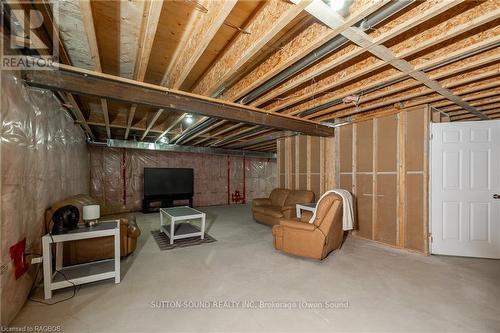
(307, 162)
(117, 176)
(383, 162)
(44, 159)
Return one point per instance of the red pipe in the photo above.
(228, 181)
(244, 192)
(124, 176)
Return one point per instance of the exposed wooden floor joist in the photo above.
(84, 82)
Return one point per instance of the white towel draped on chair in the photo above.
(348, 210)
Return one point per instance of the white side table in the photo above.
(306, 206)
(83, 273)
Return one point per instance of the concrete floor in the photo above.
(386, 289)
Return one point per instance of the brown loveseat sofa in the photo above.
(280, 204)
(81, 251)
(313, 240)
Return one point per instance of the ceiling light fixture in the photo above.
(188, 118)
(337, 4)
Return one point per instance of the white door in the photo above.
(465, 189)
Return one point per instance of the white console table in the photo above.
(305, 206)
(63, 277)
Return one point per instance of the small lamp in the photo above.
(91, 214)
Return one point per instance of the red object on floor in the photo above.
(17, 255)
(237, 197)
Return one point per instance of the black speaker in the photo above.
(65, 218)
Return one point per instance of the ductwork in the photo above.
(324, 50)
(339, 101)
(321, 52)
(192, 130)
(425, 70)
(183, 149)
(237, 136)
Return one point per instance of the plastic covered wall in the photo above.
(44, 158)
(117, 176)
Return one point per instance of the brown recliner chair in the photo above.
(313, 240)
(280, 204)
(86, 250)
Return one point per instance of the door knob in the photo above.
(496, 196)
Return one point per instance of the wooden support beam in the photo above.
(313, 72)
(268, 22)
(151, 123)
(80, 81)
(321, 87)
(320, 10)
(170, 127)
(371, 84)
(271, 145)
(200, 31)
(79, 115)
(263, 138)
(481, 105)
(294, 51)
(48, 21)
(340, 110)
(471, 116)
(121, 126)
(88, 24)
(250, 131)
(436, 101)
(193, 125)
(219, 133)
(150, 19)
(206, 130)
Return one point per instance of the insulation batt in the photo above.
(117, 176)
(44, 158)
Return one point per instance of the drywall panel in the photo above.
(44, 159)
(415, 238)
(387, 201)
(387, 143)
(364, 146)
(364, 200)
(345, 148)
(415, 140)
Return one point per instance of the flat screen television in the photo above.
(167, 182)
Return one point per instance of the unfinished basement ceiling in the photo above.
(238, 51)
